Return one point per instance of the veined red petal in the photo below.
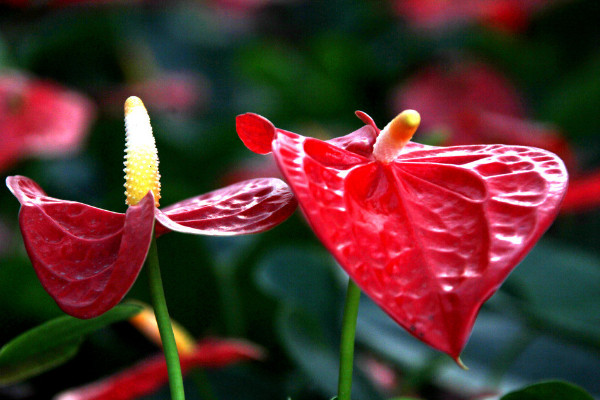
(251, 206)
(85, 257)
(150, 374)
(432, 235)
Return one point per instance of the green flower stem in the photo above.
(164, 323)
(347, 341)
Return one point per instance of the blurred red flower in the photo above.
(470, 102)
(583, 194)
(508, 15)
(40, 118)
(150, 374)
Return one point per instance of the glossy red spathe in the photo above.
(87, 258)
(429, 236)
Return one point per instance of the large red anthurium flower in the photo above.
(87, 258)
(429, 233)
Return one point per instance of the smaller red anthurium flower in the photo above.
(150, 374)
(429, 233)
(87, 258)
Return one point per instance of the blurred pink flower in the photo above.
(469, 103)
(507, 15)
(39, 118)
(150, 374)
(172, 91)
(441, 93)
(381, 373)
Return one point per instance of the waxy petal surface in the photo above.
(150, 374)
(85, 257)
(432, 235)
(251, 206)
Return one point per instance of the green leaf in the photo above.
(553, 390)
(287, 273)
(53, 343)
(556, 287)
(303, 339)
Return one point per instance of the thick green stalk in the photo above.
(164, 323)
(347, 341)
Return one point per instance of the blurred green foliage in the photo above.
(306, 66)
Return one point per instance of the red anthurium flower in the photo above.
(39, 118)
(150, 374)
(88, 258)
(472, 103)
(429, 233)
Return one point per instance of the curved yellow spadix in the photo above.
(141, 156)
(395, 135)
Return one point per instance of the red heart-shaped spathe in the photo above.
(432, 235)
(86, 258)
